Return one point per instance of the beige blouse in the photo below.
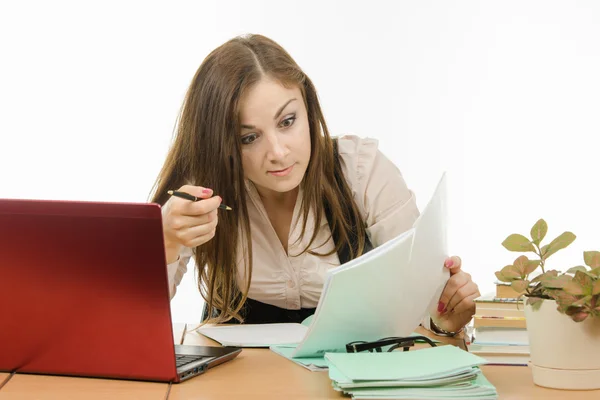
(290, 281)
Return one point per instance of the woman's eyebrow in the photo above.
(276, 115)
(282, 108)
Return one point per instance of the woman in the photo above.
(252, 135)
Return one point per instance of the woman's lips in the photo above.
(282, 172)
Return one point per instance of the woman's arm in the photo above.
(177, 269)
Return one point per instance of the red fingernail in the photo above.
(449, 263)
(206, 191)
(441, 307)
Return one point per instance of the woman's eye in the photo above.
(286, 123)
(248, 139)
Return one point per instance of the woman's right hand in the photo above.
(189, 223)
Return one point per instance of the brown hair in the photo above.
(207, 152)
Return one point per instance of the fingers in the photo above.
(454, 264)
(466, 304)
(190, 231)
(197, 191)
(195, 208)
(457, 288)
(199, 234)
(182, 222)
(190, 223)
(465, 291)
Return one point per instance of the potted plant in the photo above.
(562, 310)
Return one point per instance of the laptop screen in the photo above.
(84, 290)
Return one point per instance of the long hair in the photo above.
(207, 152)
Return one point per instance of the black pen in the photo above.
(188, 196)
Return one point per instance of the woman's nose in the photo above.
(277, 148)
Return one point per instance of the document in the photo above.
(255, 335)
(443, 372)
(385, 292)
(422, 364)
(314, 363)
(310, 363)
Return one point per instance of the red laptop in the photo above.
(84, 292)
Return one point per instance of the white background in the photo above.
(504, 96)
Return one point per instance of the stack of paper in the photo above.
(385, 292)
(441, 372)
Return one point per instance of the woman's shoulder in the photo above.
(358, 156)
(352, 145)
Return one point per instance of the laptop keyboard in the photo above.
(182, 360)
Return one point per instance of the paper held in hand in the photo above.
(386, 292)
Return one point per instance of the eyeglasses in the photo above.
(395, 342)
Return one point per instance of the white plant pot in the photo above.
(564, 354)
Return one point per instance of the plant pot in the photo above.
(564, 354)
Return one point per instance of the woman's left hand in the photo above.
(456, 306)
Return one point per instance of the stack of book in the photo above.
(500, 331)
(443, 372)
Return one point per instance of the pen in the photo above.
(188, 196)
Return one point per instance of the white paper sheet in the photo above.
(385, 292)
(259, 335)
(429, 251)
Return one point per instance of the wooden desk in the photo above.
(262, 374)
(3, 376)
(40, 387)
(254, 374)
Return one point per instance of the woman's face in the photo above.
(275, 137)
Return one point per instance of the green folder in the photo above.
(480, 388)
(443, 372)
(311, 363)
(427, 363)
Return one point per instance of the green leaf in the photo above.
(574, 287)
(592, 259)
(573, 310)
(577, 268)
(543, 250)
(521, 264)
(553, 293)
(545, 275)
(516, 242)
(556, 282)
(562, 241)
(501, 277)
(595, 272)
(585, 281)
(580, 316)
(581, 302)
(531, 266)
(510, 272)
(596, 287)
(538, 232)
(520, 285)
(565, 299)
(535, 302)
